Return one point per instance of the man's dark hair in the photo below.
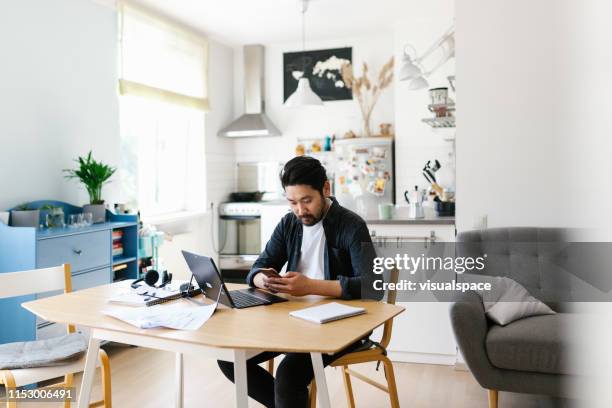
(304, 170)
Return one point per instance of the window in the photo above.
(162, 156)
(162, 104)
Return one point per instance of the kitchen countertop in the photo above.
(419, 221)
(400, 216)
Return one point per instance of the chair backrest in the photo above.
(13, 284)
(391, 297)
(392, 293)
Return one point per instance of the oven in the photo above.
(239, 239)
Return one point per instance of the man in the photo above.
(323, 246)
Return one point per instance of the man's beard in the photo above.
(309, 220)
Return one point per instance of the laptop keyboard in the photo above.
(242, 300)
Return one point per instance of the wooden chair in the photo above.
(377, 354)
(14, 284)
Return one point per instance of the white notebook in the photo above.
(327, 312)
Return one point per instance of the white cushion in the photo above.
(26, 376)
(42, 353)
(513, 302)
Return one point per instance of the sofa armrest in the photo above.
(470, 326)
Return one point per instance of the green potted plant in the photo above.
(93, 175)
(25, 216)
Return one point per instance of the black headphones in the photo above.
(151, 276)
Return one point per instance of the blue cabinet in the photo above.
(82, 251)
(89, 251)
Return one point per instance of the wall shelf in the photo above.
(443, 122)
(123, 259)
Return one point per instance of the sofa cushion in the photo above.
(512, 303)
(542, 344)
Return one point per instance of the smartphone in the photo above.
(270, 272)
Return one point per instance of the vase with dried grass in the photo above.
(365, 92)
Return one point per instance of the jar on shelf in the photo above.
(55, 218)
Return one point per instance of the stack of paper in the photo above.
(327, 312)
(181, 316)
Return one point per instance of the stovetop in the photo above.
(243, 209)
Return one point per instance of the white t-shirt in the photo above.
(313, 250)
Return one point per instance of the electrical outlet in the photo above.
(481, 221)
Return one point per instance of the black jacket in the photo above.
(348, 255)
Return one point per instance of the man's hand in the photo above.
(260, 280)
(292, 283)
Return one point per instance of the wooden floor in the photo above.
(144, 378)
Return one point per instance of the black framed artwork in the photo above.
(322, 67)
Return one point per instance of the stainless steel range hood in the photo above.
(254, 122)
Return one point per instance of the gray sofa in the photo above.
(532, 355)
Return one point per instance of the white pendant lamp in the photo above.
(409, 69)
(303, 95)
(418, 83)
(412, 69)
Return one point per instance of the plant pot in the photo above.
(97, 210)
(27, 218)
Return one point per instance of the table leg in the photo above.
(240, 379)
(319, 371)
(179, 381)
(89, 371)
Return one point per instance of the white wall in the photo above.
(220, 157)
(312, 122)
(195, 234)
(415, 141)
(58, 97)
(533, 135)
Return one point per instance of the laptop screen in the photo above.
(205, 273)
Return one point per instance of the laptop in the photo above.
(211, 282)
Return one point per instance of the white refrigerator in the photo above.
(363, 170)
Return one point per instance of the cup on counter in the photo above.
(73, 221)
(385, 211)
(87, 219)
(4, 217)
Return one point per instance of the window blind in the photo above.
(161, 60)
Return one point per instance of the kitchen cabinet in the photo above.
(423, 332)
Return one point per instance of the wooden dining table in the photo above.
(230, 334)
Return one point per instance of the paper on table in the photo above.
(140, 296)
(179, 316)
(128, 296)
